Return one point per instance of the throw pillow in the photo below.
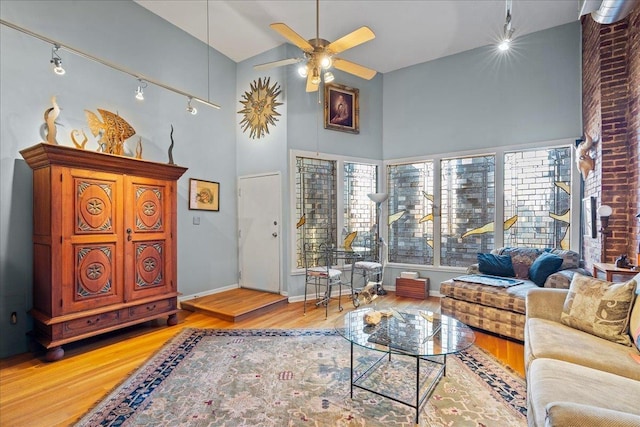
(599, 307)
(544, 266)
(634, 319)
(521, 269)
(496, 265)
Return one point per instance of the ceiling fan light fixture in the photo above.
(302, 71)
(328, 77)
(326, 62)
(315, 77)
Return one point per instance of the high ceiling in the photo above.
(407, 32)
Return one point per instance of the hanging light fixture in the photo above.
(140, 90)
(328, 77)
(57, 61)
(507, 32)
(193, 110)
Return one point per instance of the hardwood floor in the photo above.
(37, 393)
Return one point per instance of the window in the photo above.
(410, 203)
(537, 198)
(317, 186)
(468, 209)
(442, 211)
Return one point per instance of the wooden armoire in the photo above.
(104, 243)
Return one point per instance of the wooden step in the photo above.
(236, 304)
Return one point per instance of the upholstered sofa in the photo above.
(498, 309)
(578, 373)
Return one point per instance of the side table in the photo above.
(610, 271)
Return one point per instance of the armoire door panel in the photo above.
(94, 282)
(148, 246)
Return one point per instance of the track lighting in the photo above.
(507, 32)
(140, 90)
(328, 77)
(57, 61)
(193, 110)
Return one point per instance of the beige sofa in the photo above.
(501, 310)
(575, 378)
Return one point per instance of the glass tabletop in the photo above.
(408, 331)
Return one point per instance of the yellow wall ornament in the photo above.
(259, 107)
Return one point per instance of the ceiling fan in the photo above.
(320, 54)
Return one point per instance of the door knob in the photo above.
(274, 234)
(128, 234)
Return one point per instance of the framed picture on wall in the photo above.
(341, 108)
(589, 213)
(204, 195)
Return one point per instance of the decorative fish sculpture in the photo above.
(348, 241)
(114, 130)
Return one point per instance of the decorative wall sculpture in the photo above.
(259, 111)
(585, 156)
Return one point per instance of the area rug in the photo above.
(224, 377)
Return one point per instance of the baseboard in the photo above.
(210, 292)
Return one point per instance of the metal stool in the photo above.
(368, 269)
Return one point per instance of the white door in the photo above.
(259, 204)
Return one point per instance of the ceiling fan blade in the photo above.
(359, 36)
(353, 68)
(280, 63)
(311, 87)
(285, 31)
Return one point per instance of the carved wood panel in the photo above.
(94, 206)
(149, 206)
(149, 265)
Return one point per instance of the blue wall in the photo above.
(126, 34)
(464, 101)
(479, 98)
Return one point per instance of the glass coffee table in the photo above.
(422, 337)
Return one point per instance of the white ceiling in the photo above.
(407, 32)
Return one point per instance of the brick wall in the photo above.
(610, 108)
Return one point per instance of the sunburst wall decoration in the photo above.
(260, 107)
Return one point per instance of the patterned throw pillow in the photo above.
(599, 307)
(634, 319)
(521, 269)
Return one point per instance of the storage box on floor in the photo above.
(411, 286)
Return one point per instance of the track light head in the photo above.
(507, 32)
(57, 61)
(191, 109)
(140, 90)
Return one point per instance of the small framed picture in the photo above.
(204, 195)
(589, 212)
(341, 108)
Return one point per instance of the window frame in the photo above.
(340, 161)
(499, 153)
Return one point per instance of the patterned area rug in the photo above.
(225, 377)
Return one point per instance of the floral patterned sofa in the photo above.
(501, 309)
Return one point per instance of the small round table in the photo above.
(419, 334)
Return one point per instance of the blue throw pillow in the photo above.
(544, 266)
(496, 265)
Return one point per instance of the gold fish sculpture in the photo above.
(50, 116)
(113, 131)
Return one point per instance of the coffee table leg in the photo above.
(351, 370)
(417, 390)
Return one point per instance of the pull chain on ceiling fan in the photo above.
(320, 54)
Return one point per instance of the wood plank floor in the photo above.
(36, 393)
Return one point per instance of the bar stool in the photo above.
(368, 269)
